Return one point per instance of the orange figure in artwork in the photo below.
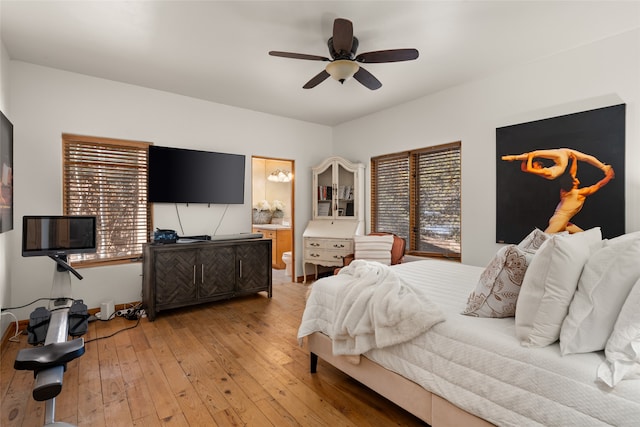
(572, 197)
(560, 158)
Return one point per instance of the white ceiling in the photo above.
(218, 50)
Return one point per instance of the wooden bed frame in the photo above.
(431, 408)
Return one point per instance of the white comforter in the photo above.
(377, 309)
(479, 365)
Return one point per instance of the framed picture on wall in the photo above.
(6, 174)
(564, 173)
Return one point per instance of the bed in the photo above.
(468, 370)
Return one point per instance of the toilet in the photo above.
(286, 258)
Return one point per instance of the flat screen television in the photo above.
(56, 236)
(178, 175)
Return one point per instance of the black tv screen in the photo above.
(58, 235)
(178, 175)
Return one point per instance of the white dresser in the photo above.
(326, 243)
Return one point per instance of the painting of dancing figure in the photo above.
(566, 188)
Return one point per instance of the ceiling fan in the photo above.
(344, 63)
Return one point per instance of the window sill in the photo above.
(105, 262)
(419, 256)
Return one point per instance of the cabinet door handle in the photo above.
(202, 273)
(338, 245)
(240, 262)
(314, 244)
(194, 274)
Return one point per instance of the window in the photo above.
(416, 195)
(108, 178)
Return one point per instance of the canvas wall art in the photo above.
(6, 174)
(564, 173)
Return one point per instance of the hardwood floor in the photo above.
(230, 363)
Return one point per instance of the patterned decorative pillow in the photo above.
(534, 240)
(497, 290)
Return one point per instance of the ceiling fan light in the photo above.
(342, 69)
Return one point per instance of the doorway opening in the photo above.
(272, 200)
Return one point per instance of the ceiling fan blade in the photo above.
(315, 81)
(392, 55)
(342, 35)
(298, 56)
(367, 79)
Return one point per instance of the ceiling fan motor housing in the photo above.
(343, 55)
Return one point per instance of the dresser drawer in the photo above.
(324, 257)
(327, 251)
(266, 233)
(343, 245)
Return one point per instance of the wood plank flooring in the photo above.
(230, 363)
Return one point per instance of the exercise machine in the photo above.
(56, 237)
(49, 361)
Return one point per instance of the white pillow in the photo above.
(549, 285)
(623, 348)
(622, 237)
(373, 248)
(497, 290)
(606, 280)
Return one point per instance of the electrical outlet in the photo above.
(124, 312)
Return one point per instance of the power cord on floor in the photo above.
(116, 332)
(16, 337)
(134, 313)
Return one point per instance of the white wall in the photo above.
(597, 75)
(48, 102)
(5, 238)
